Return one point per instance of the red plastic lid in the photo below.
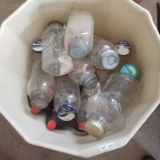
(51, 125)
(81, 126)
(35, 110)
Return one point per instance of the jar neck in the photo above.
(56, 29)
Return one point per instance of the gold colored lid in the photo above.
(95, 129)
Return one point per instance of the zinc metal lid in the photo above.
(95, 129)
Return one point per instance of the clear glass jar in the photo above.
(41, 86)
(79, 33)
(103, 54)
(67, 98)
(83, 74)
(55, 60)
(107, 112)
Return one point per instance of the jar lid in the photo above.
(40, 100)
(109, 59)
(77, 49)
(66, 112)
(90, 81)
(35, 110)
(51, 124)
(95, 129)
(123, 48)
(37, 46)
(81, 126)
(130, 69)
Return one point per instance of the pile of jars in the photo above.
(80, 79)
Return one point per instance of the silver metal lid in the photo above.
(109, 59)
(77, 49)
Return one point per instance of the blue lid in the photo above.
(130, 69)
(66, 112)
(37, 46)
(123, 48)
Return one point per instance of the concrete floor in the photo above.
(146, 140)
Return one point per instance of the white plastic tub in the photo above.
(114, 20)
